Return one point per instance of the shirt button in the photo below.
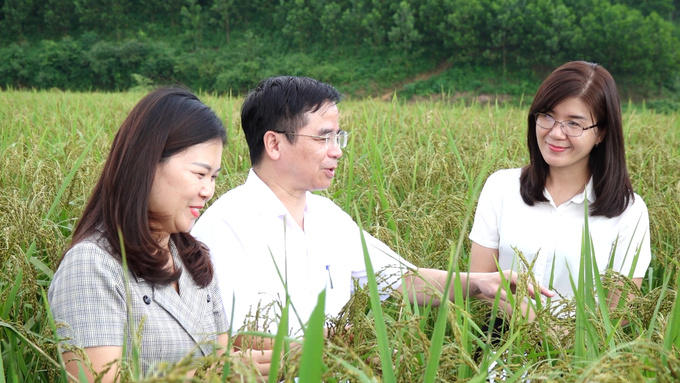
(147, 300)
(208, 298)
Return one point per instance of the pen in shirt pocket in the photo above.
(330, 280)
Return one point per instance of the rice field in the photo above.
(411, 175)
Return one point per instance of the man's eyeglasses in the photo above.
(570, 128)
(332, 139)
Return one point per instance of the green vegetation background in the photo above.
(364, 47)
(411, 174)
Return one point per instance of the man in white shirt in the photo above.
(273, 227)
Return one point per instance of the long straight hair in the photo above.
(165, 122)
(593, 85)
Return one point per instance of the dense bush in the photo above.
(74, 65)
(366, 46)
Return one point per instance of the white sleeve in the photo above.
(485, 227)
(216, 234)
(385, 261)
(634, 240)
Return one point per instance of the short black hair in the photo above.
(280, 104)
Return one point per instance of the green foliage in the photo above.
(403, 35)
(192, 21)
(466, 80)
(103, 15)
(223, 8)
(413, 171)
(368, 45)
(16, 15)
(60, 16)
(77, 65)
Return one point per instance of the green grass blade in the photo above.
(19, 336)
(69, 177)
(662, 295)
(496, 357)
(672, 335)
(9, 302)
(2, 367)
(53, 327)
(360, 374)
(278, 344)
(602, 301)
(81, 374)
(226, 371)
(579, 337)
(380, 327)
(437, 339)
(311, 361)
(42, 267)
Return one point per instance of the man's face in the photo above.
(308, 163)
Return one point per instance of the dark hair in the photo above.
(165, 122)
(280, 104)
(593, 85)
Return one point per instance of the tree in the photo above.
(16, 13)
(224, 8)
(331, 22)
(192, 21)
(300, 21)
(640, 48)
(663, 8)
(60, 16)
(103, 15)
(403, 34)
(461, 27)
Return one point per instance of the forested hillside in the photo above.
(362, 46)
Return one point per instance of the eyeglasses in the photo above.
(570, 128)
(333, 140)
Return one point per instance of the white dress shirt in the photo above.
(248, 230)
(553, 233)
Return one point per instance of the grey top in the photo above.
(87, 298)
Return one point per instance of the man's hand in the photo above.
(489, 284)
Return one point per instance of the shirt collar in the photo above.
(587, 191)
(267, 203)
(578, 198)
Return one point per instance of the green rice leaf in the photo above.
(278, 344)
(2, 367)
(69, 177)
(9, 302)
(380, 328)
(42, 267)
(311, 361)
(672, 335)
(360, 374)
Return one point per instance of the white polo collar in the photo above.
(587, 191)
(578, 198)
(268, 204)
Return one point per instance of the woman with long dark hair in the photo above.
(577, 157)
(158, 176)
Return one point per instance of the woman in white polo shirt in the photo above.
(575, 141)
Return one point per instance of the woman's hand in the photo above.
(260, 359)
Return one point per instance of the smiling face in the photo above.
(308, 163)
(561, 151)
(182, 185)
